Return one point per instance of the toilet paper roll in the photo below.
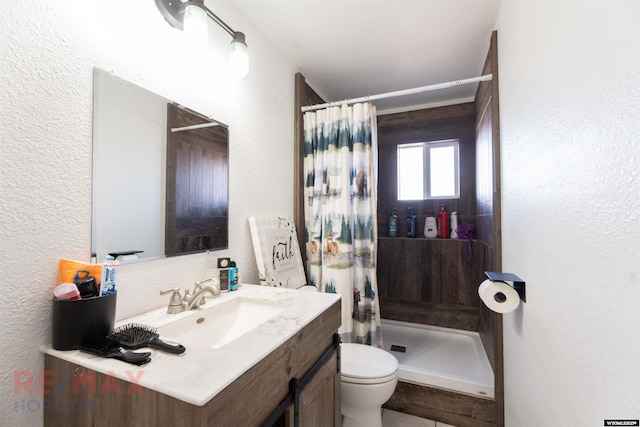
(498, 296)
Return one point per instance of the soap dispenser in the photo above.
(430, 225)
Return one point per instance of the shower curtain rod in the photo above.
(398, 93)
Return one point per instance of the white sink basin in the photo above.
(219, 325)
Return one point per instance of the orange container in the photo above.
(68, 269)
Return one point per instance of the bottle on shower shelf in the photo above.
(411, 223)
(393, 224)
(430, 225)
(454, 225)
(443, 223)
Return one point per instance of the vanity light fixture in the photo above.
(190, 16)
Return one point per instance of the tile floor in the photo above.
(398, 419)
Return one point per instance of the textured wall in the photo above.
(569, 106)
(49, 51)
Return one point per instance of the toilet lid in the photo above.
(363, 364)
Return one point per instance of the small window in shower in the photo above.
(429, 170)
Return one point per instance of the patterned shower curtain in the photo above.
(341, 232)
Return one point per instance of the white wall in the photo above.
(49, 51)
(570, 135)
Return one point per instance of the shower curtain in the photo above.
(341, 232)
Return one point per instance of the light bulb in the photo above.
(195, 25)
(239, 56)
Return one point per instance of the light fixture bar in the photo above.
(218, 21)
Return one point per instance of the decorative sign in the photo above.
(275, 244)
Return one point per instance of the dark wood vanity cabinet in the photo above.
(248, 401)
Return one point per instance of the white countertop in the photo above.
(201, 372)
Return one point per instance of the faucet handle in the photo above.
(175, 303)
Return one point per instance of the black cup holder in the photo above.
(74, 320)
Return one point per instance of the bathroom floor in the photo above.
(398, 419)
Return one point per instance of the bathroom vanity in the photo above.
(240, 377)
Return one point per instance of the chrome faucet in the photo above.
(199, 293)
(179, 303)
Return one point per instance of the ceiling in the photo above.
(354, 48)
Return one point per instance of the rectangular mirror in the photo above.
(160, 175)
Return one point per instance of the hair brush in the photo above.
(106, 347)
(134, 336)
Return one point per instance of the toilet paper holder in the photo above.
(518, 283)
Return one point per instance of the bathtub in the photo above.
(442, 358)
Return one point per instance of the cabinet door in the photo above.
(320, 399)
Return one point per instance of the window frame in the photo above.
(427, 146)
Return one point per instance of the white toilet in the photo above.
(369, 377)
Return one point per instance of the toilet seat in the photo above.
(363, 364)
